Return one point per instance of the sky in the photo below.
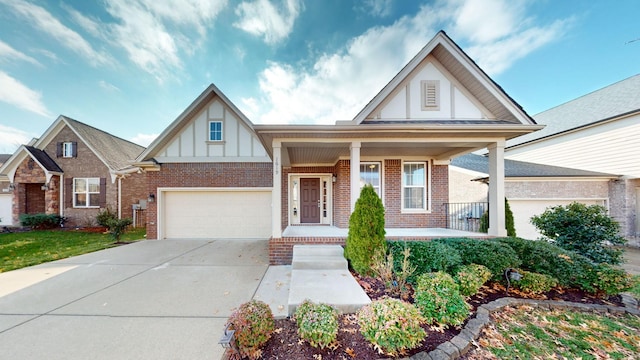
(130, 67)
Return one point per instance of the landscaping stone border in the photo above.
(462, 343)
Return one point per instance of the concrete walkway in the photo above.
(632, 260)
(166, 299)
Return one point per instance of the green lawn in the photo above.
(18, 250)
(530, 333)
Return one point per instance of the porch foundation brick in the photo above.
(281, 249)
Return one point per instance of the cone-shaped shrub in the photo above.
(366, 231)
(508, 220)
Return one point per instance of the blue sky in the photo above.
(130, 67)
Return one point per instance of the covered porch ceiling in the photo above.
(325, 145)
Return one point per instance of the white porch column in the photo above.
(276, 193)
(355, 173)
(497, 226)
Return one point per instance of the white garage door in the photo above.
(215, 214)
(5, 209)
(524, 209)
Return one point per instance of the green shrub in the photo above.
(391, 325)
(40, 221)
(635, 286)
(508, 220)
(587, 230)
(317, 324)
(439, 299)
(535, 283)
(471, 277)
(609, 280)
(105, 216)
(117, 227)
(366, 231)
(494, 255)
(426, 256)
(253, 322)
(395, 279)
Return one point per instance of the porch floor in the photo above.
(320, 231)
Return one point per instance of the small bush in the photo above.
(366, 231)
(40, 221)
(317, 324)
(395, 279)
(105, 216)
(635, 286)
(117, 227)
(609, 280)
(391, 325)
(587, 230)
(439, 299)
(426, 256)
(508, 220)
(253, 322)
(494, 255)
(471, 277)
(535, 283)
(569, 268)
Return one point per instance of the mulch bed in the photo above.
(285, 343)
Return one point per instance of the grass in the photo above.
(531, 333)
(18, 250)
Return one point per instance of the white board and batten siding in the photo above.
(239, 142)
(453, 100)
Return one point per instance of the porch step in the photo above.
(320, 273)
(327, 257)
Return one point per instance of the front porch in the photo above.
(281, 249)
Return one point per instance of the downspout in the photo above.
(119, 197)
(61, 195)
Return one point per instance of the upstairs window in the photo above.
(215, 130)
(67, 149)
(86, 192)
(430, 91)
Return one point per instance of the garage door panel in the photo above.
(524, 209)
(5, 209)
(217, 214)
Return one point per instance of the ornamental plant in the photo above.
(494, 255)
(535, 283)
(509, 223)
(317, 324)
(425, 256)
(40, 221)
(394, 278)
(587, 230)
(366, 231)
(438, 297)
(117, 227)
(471, 277)
(254, 324)
(391, 325)
(609, 280)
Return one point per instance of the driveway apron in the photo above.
(155, 299)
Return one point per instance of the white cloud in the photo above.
(108, 86)
(340, 84)
(7, 52)
(380, 8)
(144, 139)
(48, 24)
(265, 19)
(15, 93)
(11, 138)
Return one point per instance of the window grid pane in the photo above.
(86, 192)
(414, 186)
(370, 175)
(215, 131)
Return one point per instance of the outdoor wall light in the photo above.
(151, 198)
(12, 187)
(228, 341)
(334, 178)
(44, 187)
(511, 274)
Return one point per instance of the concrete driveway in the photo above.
(156, 299)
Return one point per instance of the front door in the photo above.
(34, 196)
(310, 204)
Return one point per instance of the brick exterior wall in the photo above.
(556, 189)
(622, 195)
(134, 189)
(183, 175)
(28, 172)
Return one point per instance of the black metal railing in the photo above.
(465, 216)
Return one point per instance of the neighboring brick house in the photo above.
(213, 173)
(530, 189)
(74, 170)
(599, 131)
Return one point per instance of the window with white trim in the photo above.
(86, 192)
(414, 186)
(430, 91)
(370, 174)
(215, 130)
(67, 149)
